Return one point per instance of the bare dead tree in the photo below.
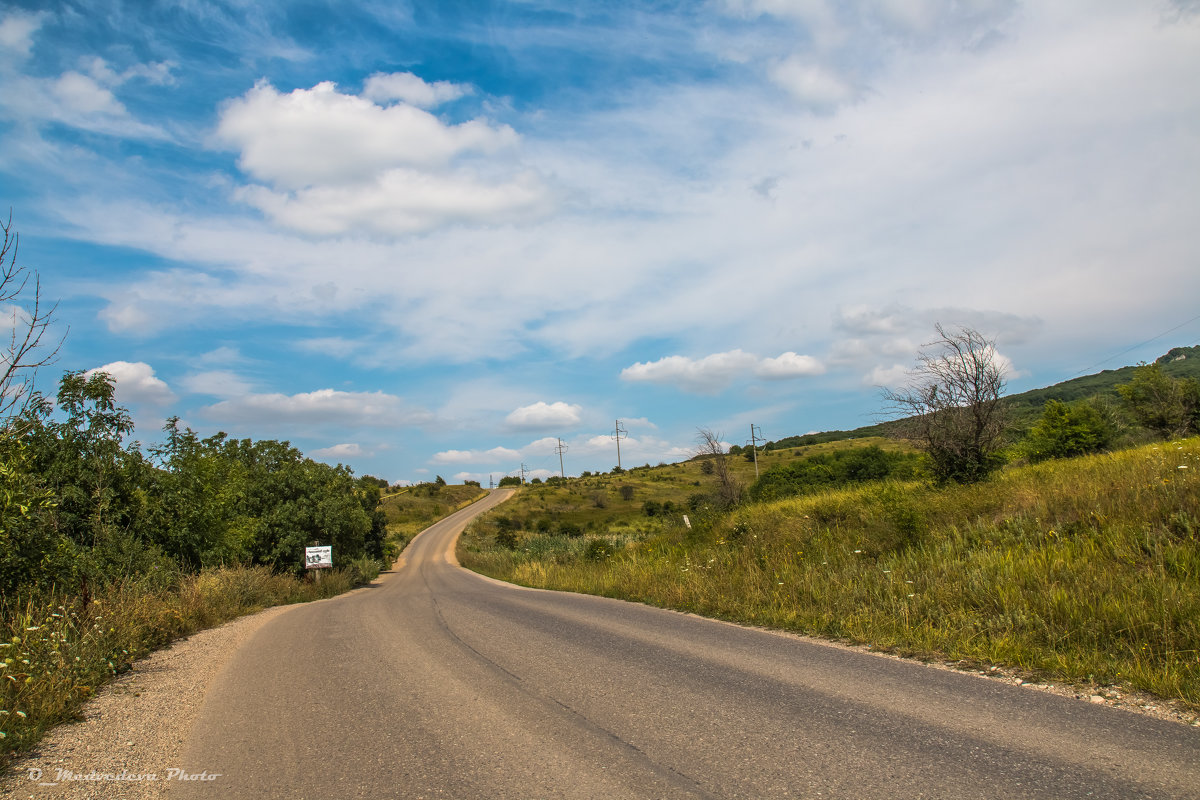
(29, 319)
(729, 489)
(951, 407)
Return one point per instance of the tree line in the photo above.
(83, 505)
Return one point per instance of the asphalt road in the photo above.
(439, 683)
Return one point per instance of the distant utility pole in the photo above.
(491, 481)
(524, 469)
(619, 434)
(754, 445)
(562, 448)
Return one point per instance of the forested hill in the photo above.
(1178, 362)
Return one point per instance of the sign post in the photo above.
(318, 558)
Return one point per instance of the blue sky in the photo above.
(435, 238)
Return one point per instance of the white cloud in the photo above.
(16, 32)
(542, 415)
(889, 377)
(321, 136)
(401, 200)
(475, 456)
(814, 85)
(409, 88)
(334, 163)
(340, 451)
(136, 383)
(217, 383)
(455, 457)
(788, 365)
(713, 373)
(322, 407)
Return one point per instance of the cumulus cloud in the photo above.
(339, 451)
(475, 456)
(322, 407)
(542, 415)
(788, 365)
(454, 457)
(322, 136)
(136, 383)
(409, 88)
(328, 162)
(713, 373)
(217, 383)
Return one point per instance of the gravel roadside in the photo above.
(129, 744)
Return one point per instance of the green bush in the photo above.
(830, 470)
(1068, 429)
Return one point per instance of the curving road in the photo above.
(438, 683)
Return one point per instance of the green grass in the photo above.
(1081, 570)
(57, 651)
(413, 509)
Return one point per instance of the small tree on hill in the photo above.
(729, 489)
(1170, 407)
(951, 406)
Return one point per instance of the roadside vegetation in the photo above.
(1067, 548)
(1081, 570)
(107, 552)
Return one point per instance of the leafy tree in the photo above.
(1068, 429)
(31, 551)
(1168, 406)
(951, 407)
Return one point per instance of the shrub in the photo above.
(597, 550)
(1066, 430)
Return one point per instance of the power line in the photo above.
(1135, 347)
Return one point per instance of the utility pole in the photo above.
(524, 469)
(754, 445)
(562, 448)
(491, 481)
(618, 434)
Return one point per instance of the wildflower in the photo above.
(912, 595)
(32, 628)
(3, 735)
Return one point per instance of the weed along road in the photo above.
(438, 683)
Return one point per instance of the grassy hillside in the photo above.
(413, 508)
(1080, 570)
